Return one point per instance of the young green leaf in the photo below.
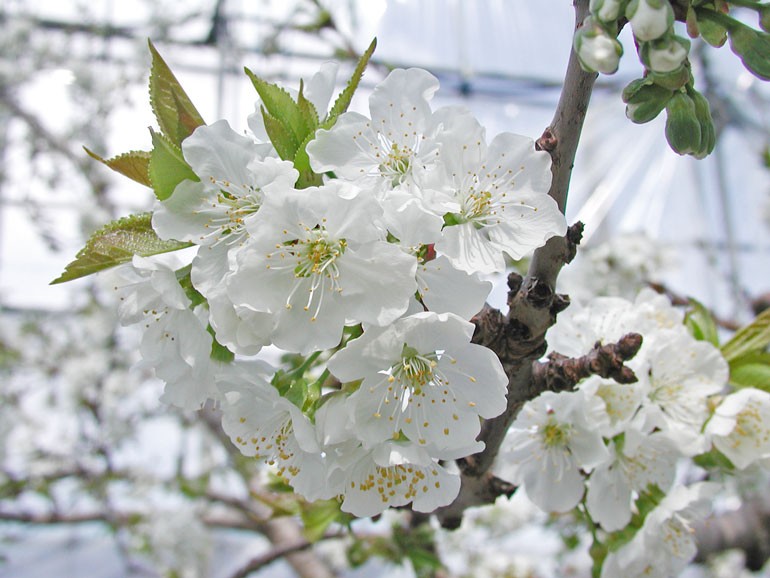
(307, 177)
(712, 32)
(283, 139)
(167, 167)
(134, 164)
(175, 112)
(281, 107)
(344, 98)
(753, 337)
(318, 516)
(701, 324)
(751, 370)
(117, 243)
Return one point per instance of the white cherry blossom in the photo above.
(502, 203)
(665, 544)
(392, 474)
(636, 462)
(740, 427)
(553, 440)
(175, 342)
(424, 379)
(317, 260)
(264, 425)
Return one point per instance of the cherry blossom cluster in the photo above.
(605, 444)
(369, 278)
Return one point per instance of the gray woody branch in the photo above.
(518, 339)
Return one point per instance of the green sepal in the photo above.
(751, 370)
(167, 167)
(318, 516)
(714, 460)
(346, 96)
(700, 323)
(116, 243)
(645, 100)
(176, 115)
(753, 337)
(183, 277)
(134, 164)
(218, 351)
(673, 80)
(683, 131)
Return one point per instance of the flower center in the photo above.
(228, 212)
(317, 254)
(415, 370)
(397, 164)
(555, 435)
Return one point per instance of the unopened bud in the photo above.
(596, 49)
(645, 100)
(708, 137)
(683, 131)
(606, 10)
(666, 54)
(650, 19)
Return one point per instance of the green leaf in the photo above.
(712, 32)
(318, 516)
(134, 164)
(167, 167)
(307, 177)
(752, 46)
(343, 100)
(175, 112)
(307, 110)
(283, 139)
(282, 108)
(117, 243)
(751, 370)
(701, 324)
(753, 337)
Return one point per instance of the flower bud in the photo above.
(683, 131)
(666, 54)
(650, 19)
(645, 100)
(606, 10)
(707, 130)
(596, 49)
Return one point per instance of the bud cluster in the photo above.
(667, 82)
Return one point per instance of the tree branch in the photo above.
(561, 373)
(519, 338)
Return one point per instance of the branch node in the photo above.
(547, 142)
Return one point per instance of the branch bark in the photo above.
(519, 338)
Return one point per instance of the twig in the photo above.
(561, 373)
